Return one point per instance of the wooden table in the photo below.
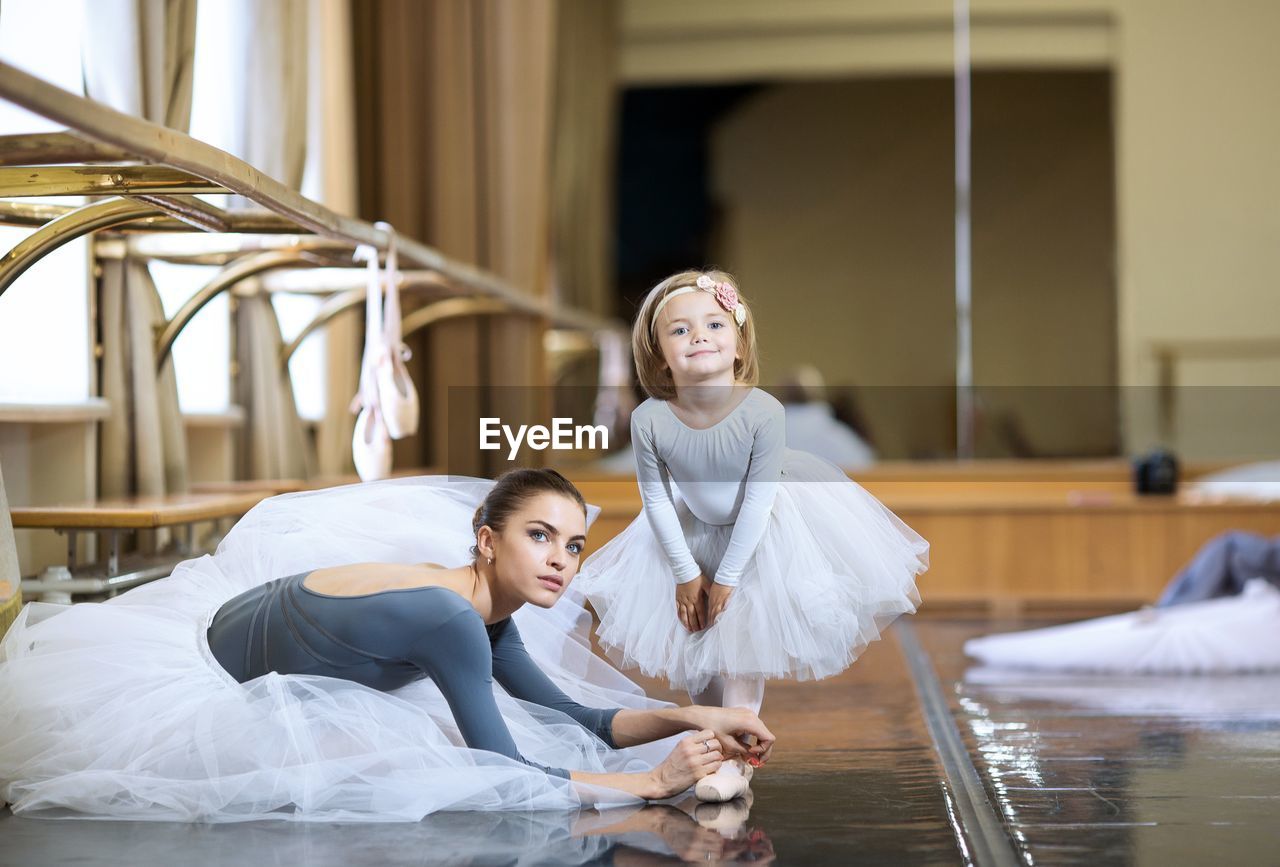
(111, 517)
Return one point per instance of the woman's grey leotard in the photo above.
(389, 639)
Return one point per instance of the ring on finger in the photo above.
(706, 745)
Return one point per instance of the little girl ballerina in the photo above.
(751, 560)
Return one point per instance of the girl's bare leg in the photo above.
(745, 692)
(711, 696)
(731, 780)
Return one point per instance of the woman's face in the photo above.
(538, 552)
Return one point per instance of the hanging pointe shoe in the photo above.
(397, 397)
(371, 446)
(731, 781)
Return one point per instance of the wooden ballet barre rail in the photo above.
(170, 149)
(100, 181)
(438, 311)
(49, 148)
(249, 222)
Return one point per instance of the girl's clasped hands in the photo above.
(700, 602)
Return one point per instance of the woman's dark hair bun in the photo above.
(513, 489)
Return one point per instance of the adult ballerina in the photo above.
(349, 691)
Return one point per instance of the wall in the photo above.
(838, 206)
(49, 456)
(1194, 135)
(1199, 207)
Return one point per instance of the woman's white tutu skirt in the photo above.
(833, 569)
(1235, 634)
(118, 710)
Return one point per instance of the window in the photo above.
(44, 315)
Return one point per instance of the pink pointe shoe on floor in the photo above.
(731, 781)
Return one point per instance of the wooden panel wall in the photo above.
(1012, 534)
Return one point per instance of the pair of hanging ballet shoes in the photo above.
(387, 402)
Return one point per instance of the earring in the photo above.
(490, 561)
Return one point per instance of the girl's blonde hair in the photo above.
(651, 367)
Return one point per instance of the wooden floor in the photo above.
(1072, 770)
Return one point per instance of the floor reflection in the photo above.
(683, 831)
(1232, 698)
(1089, 769)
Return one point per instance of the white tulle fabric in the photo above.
(833, 569)
(117, 709)
(1217, 636)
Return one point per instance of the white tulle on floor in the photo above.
(1227, 635)
(118, 710)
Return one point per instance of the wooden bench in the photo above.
(108, 519)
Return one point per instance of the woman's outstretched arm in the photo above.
(521, 677)
(693, 758)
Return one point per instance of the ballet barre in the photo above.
(160, 189)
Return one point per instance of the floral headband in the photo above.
(726, 297)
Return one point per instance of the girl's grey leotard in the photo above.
(727, 474)
(389, 639)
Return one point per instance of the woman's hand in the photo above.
(693, 758)
(733, 727)
(691, 604)
(717, 599)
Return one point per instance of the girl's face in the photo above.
(538, 551)
(698, 338)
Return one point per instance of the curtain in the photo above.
(10, 578)
(269, 75)
(454, 103)
(274, 445)
(143, 445)
(144, 70)
(583, 149)
(266, 126)
(331, 179)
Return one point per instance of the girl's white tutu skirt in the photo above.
(833, 569)
(118, 710)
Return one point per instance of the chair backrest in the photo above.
(10, 580)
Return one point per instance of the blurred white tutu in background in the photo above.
(1231, 634)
